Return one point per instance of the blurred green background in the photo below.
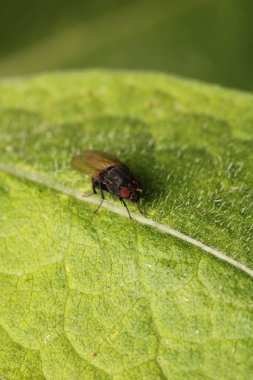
(210, 40)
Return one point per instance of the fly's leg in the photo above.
(102, 196)
(124, 203)
(94, 185)
(139, 208)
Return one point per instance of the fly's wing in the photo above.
(92, 162)
(79, 163)
(100, 160)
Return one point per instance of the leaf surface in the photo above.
(101, 297)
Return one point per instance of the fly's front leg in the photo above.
(124, 203)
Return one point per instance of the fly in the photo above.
(109, 174)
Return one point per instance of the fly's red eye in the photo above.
(125, 192)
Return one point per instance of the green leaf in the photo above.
(102, 297)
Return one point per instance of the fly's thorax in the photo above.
(120, 182)
(118, 175)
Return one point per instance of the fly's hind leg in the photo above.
(94, 185)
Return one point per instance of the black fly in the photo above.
(108, 174)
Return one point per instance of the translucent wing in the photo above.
(79, 163)
(100, 160)
(92, 162)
